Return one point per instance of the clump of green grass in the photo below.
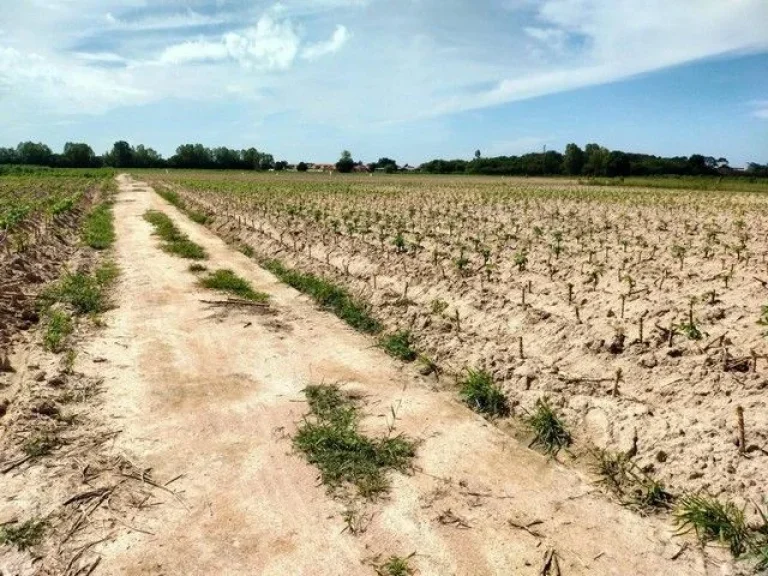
(197, 267)
(396, 566)
(714, 520)
(330, 439)
(483, 395)
(399, 345)
(59, 327)
(85, 293)
(99, 228)
(329, 296)
(174, 241)
(25, 535)
(631, 485)
(549, 430)
(247, 250)
(228, 281)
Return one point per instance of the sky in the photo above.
(407, 79)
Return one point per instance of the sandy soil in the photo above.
(209, 397)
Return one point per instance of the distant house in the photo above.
(323, 167)
(409, 168)
(361, 168)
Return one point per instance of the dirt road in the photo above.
(214, 395)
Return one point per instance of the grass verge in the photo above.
(176, 200)
(174, 242)
(228, 281)
(99, 227)
(328, 295)
(331, 440)
(482, 394)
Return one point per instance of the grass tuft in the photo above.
(396, 566)
(174, 242)
(399, 345)
(483, 395)
(85, 293)
(330, 439)
(197, 268)
(549, 430)
(329, 296)
(25, 535)
(59, 327)
(714, 520)
(40, 445)
(228, 281)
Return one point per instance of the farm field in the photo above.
(526, 376)
(638, 313)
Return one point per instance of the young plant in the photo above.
(483, 395)
(396, 566)
(713, 520)
(549, 430)
(59, 327)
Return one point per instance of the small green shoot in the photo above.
(713, 520)
(396, 566)
(59, 327)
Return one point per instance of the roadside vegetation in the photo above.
(330, 439)
(229, 282)
(174, 241)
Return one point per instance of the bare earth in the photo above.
(214, 395)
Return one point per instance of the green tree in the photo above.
(573, 160)
(302, 167)
(78, 155)
(596, 162)
(345, 163)
(34, 153)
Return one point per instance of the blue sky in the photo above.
(409, 79)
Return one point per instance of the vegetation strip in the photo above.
(328, 295)
(330, 439)
(99, 229)
(228, 281)
(174, 241)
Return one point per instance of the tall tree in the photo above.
(345, 163)
(573, 160)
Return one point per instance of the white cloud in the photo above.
(760, 109)
(334, 44)
(270, 45)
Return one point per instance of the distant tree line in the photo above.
(123, 155)
(593, 160)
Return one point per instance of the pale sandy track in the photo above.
(200, 394)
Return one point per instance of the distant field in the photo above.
(556, 288)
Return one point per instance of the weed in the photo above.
(330, 440)
(99, 229)
(174, 242)
(59, 327)
(439, 306)
(83, 292)
(197, 268)
(396, 566)
(549, 430)
(483, 395)
(247, 250)
(713, 520)
(40, 445)
(25, 535)
(329, 296)
(228, 281)
(399, 345)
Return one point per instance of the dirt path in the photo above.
(214, 396)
